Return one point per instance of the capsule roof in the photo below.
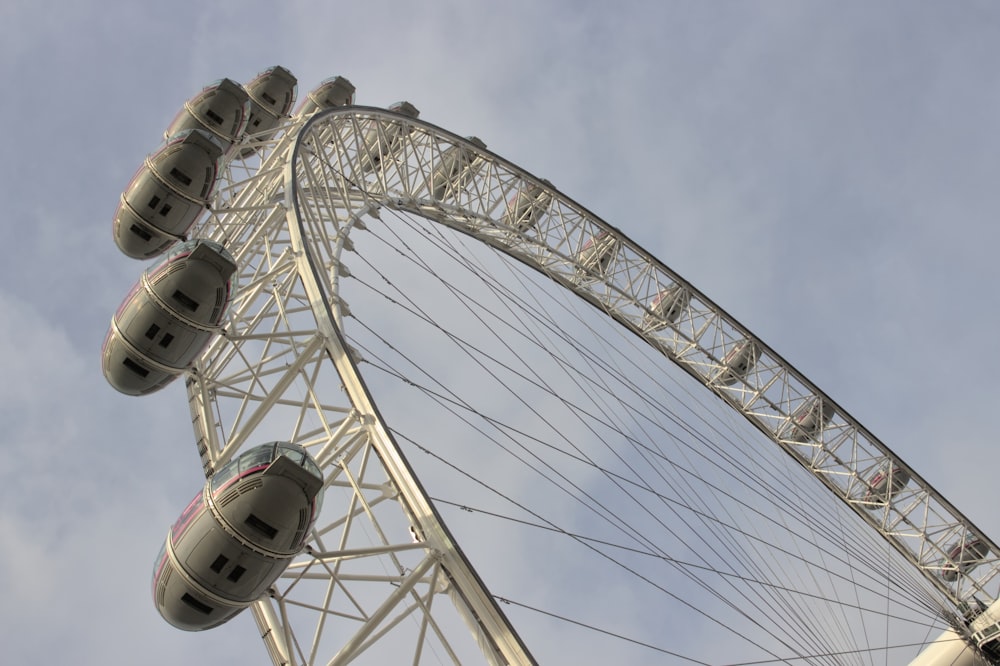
(332, 92)
(222, 108)
(260, 456)
(405, 108)
(286, 496)
(274, 90)
(476, 141)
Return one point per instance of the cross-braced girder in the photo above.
(282, 358)
(558, 237)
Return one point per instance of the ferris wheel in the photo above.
(313, 518)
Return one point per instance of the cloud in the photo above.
(828, 176)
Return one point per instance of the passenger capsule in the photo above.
(237, 536)
(221, 108)
(453, 169)
(385, 140)
(887, 480)
(167, 194)
(272, 95)
(737, 363)
(525, 207)
(807, 421)
(596, 254)
(963, 557)
(332, 92)
(168, 317)
(666, 307)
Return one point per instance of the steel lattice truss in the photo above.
(380, 556)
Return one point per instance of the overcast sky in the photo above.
(826, 172)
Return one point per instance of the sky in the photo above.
(826, 172)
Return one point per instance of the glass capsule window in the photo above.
(256, 458)
(261, 456)
(224, 474)
(158, 565)
(186, 248)
(187, 517)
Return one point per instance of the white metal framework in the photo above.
(282, 370)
